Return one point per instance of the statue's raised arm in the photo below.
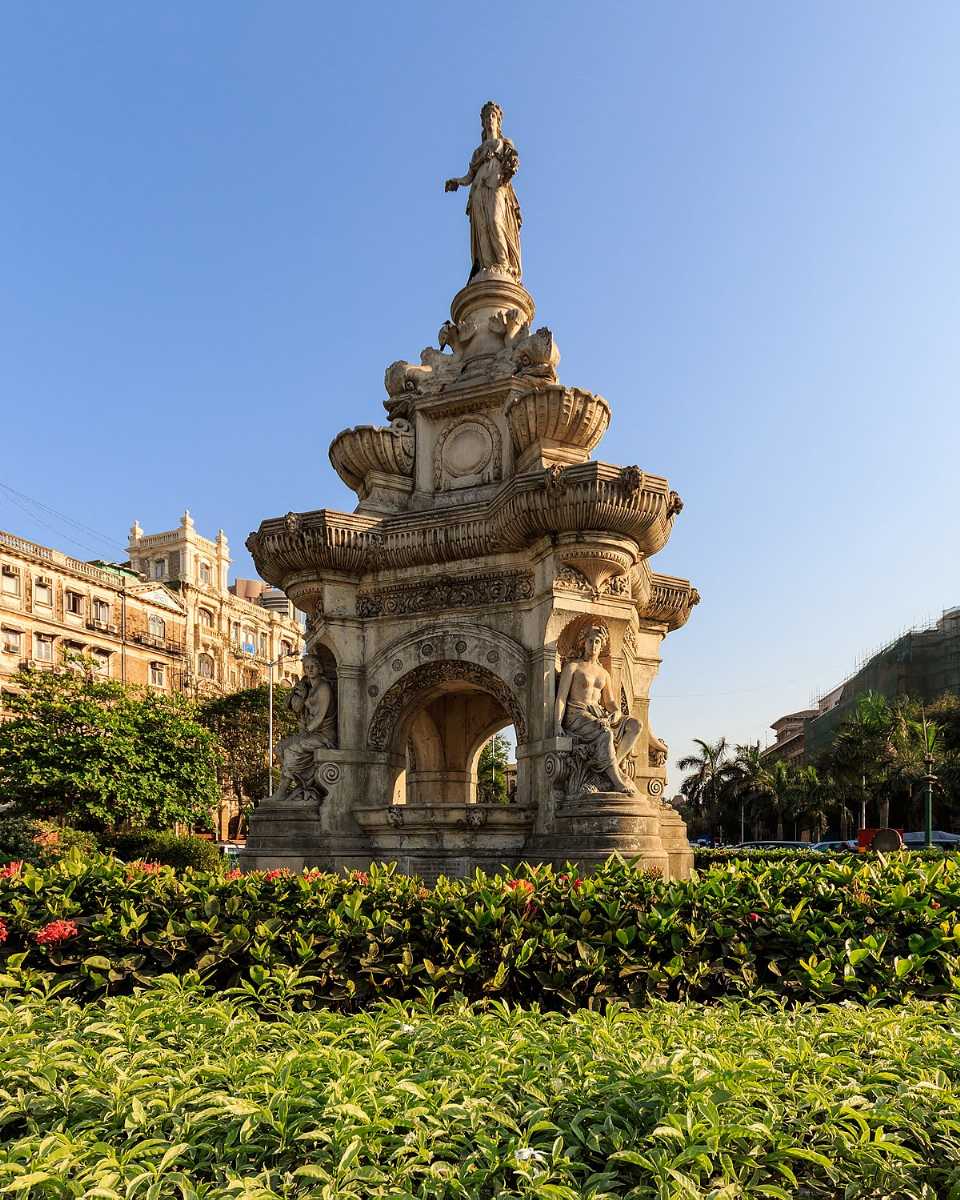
(492, 207)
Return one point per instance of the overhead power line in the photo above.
(30, 504)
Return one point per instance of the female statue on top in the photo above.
(492, 207)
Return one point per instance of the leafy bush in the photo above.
(705, 857)
(88, 751)
(809, 930)
(168, 848)
(172, 1092)
(18, 840)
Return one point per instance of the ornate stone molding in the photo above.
(556, 425)
(588, 496)
(367, 449)
(445, 592)
(398, 699)
(671, 601)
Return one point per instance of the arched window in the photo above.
(205, 666)
(205, 617)
(157, 626)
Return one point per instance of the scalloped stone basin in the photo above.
(556, 424)
(357, 452)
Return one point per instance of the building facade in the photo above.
(232, 631)
(923, 663)
(167, 619)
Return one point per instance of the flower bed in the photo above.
(802, 930)
(174, 1092)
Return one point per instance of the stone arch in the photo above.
(409, 690)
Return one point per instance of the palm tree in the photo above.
(710, 769)
(749, 783)
(863, 751)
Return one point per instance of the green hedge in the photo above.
(169, 849)
(807, 930)
(176, 1093)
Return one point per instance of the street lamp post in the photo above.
(929, 780)
(270, 666)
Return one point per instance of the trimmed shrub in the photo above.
(809, 930)
(173, 1092)
(18, 841)
(170, 849)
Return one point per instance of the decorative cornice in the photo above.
(445, 592)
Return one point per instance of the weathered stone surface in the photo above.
(485, 546)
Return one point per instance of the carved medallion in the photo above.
(468, 453)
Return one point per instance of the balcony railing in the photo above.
(103, 627)
(157, 643)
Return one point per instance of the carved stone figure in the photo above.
(587, 711)
(658, 750)
(492, 207)
(312, 699)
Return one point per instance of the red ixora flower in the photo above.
(4, 931)
(234, 873)
(277, 872)
(55, 932)
(11, 869)
(754, 917)
(934, 903)
(524, 886)
(143, 868)
(576, 884)
(360, 877)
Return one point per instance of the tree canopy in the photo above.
(94, 753)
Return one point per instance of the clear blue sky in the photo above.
(220, 221)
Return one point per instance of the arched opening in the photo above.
(494, 768)
(436, 720)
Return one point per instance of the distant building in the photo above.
(231, 635)
(923, 663)
(167, 619)
(790, 743)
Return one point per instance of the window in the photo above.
(205, 573)
(159, 568)
(157, 674)
(157, 626)
(101, 612)
(205, 616)
(249, 645)
(233, 679)
(73, 603)
(101, 661)
(43, 592)
(205, 666)
(251, 678)
(286, 649)
(12, 639)
(43, 647)
(263, 644)
(10, 577)
(235, 633)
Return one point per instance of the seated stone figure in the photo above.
(586, 711)
(313, 702)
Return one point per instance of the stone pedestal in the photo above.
(589, 830)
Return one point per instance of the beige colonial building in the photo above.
(168, 619)
(232, 631)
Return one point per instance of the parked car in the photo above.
(838, 845)
(940, 838)
(230, 851)
(773, 844)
